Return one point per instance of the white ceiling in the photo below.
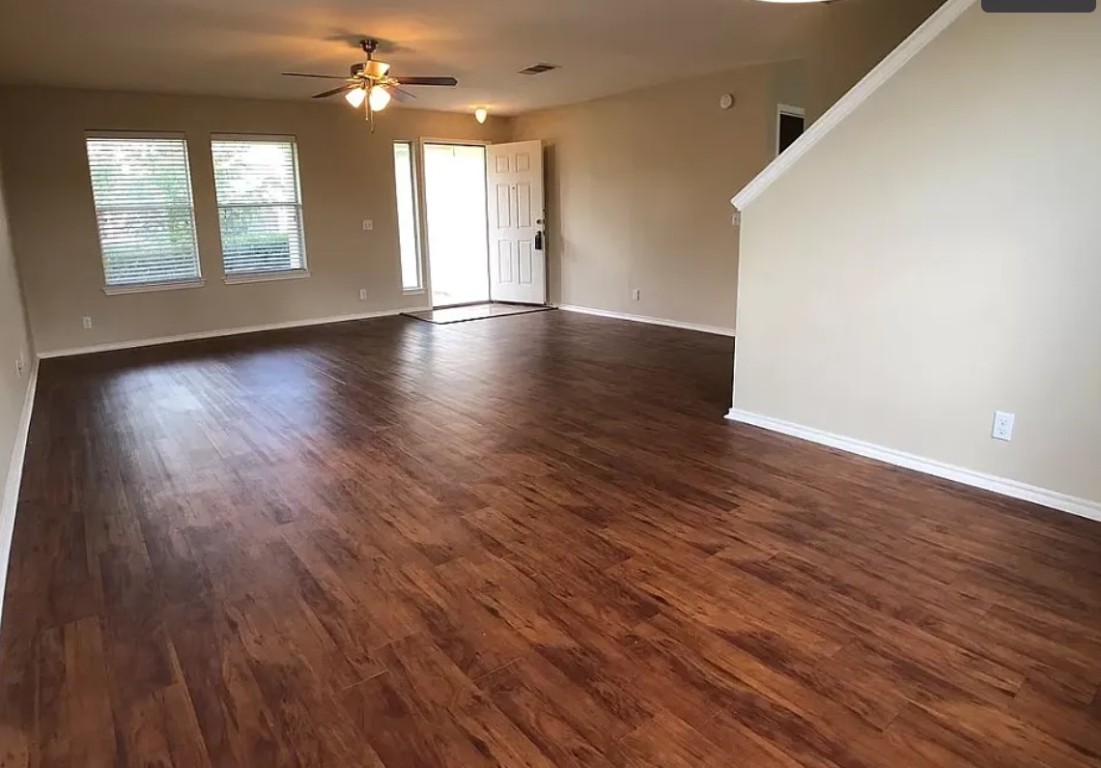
(239, 47)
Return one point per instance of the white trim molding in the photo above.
(275, 138)
(847, 104)
(176, 285)
(714, 329)
(155, 341)
(266, 277)
(10, 500)
(1000, 485)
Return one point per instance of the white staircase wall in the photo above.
(936, 256)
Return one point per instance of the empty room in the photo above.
(454, 385)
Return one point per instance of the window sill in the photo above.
(264, 277)
(179, 285)
(412, 291)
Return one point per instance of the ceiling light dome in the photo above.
(379, 98)
(356, 97)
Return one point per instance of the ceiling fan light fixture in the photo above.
(480, 114)
(378, 98)
(376, 68)
(355, 97)
(370, 82)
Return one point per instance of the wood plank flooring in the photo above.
(530, 541)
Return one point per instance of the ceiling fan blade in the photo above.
(400, 93)
(427, 81)
(335, 91)
(305, 74)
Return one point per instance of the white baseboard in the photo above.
(151, 342)
(715, 329)
(10, 500)
(1000, 485)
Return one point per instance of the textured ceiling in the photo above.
(239, 47)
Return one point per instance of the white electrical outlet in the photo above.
(20, 367)
(636, 294)
(1003, 426)
(363, 294)
(86, 322)
(368, 225)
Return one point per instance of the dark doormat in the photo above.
(448, 315)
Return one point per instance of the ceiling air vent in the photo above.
(538, 69)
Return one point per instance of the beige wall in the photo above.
(346, 176)
(14, 345)
(637, 194)
(851, 38)
(936, 258)
(789, 88)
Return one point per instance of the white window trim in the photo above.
(238, 278)
(110, 133)
(419, 234)
(175, 285)
(276, 138)
(266, 277)
(124, 288)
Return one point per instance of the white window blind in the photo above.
(142, 192)
(256, 180)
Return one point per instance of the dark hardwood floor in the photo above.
(530, 541)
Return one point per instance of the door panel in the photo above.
(515, 174)
(527, 263)
(504, 205)
(523, 205)
(504, 262)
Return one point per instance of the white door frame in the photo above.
(422, 206)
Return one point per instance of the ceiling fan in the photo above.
(371, 82)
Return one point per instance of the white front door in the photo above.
(517, 246)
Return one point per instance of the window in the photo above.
(408, 240)
(259, 207)
(142, 192)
